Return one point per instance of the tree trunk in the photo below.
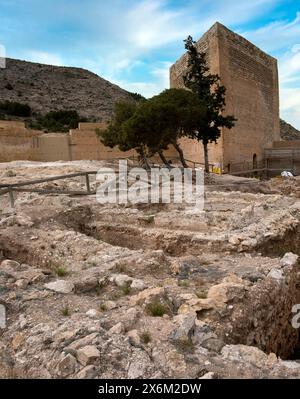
(163, 158)
(180, 152)
(143, 158)
(206, 157)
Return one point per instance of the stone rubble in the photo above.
(97, 291)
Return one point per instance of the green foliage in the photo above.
(137, 97)
(58, 121)
(103, 306)
(201, 294)
(211, 94)
(157, 309)
(126, 289)
(150, 126)
(61, 271)
(145, 337)
(66, 312)
(13, 108)
(114, 134)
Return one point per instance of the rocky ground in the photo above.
(153, 291)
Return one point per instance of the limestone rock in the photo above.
(60, 286)
(109, 305)
(67, 365)
(87, 372)
(86, 284)
(93, 313)
(146, 296)
(247, 354)
(184, 326)
(138, 285)
(289, 259)
(208, 376)
(87, 355)
(276, 274)
(116, 329)
(120, 279)
(84, 341)
(134, 337)
(10, 264)
(196, 305)
(231, 288)
(17, 341)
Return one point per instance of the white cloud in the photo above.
(43, 57)
(160, 81)
(277, 35)
(282, 38)
(123, 41)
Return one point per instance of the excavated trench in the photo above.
(271, 331)
(277, 247)
(279, 337)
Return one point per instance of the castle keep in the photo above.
(251, 79)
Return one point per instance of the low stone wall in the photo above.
(19, 143)
(16, 142)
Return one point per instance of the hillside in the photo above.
(48, 88)
(288, 132)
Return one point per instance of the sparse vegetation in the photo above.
(184, 283)
(185, 345)
(13, 108)
(103, 306)
(61, 271)
(126, 289)
(66, 312)
(157, 309)
(58, 121)
(201, 294)
(145, 337)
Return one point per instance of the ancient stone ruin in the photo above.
(141, 290)
(148, 290)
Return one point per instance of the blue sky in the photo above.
(133, 43)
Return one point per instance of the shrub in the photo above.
(15, 109)
(157, 309)
(8, 86)
(61, 271)
(126, 289)
(145, 337)
(66, 311)
(58, 121)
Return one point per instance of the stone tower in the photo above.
(251, 79)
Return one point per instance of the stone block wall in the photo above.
(251, 79)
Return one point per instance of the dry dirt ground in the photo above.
(153, 291)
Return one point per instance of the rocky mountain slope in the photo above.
(48, 88)
(288, 132)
